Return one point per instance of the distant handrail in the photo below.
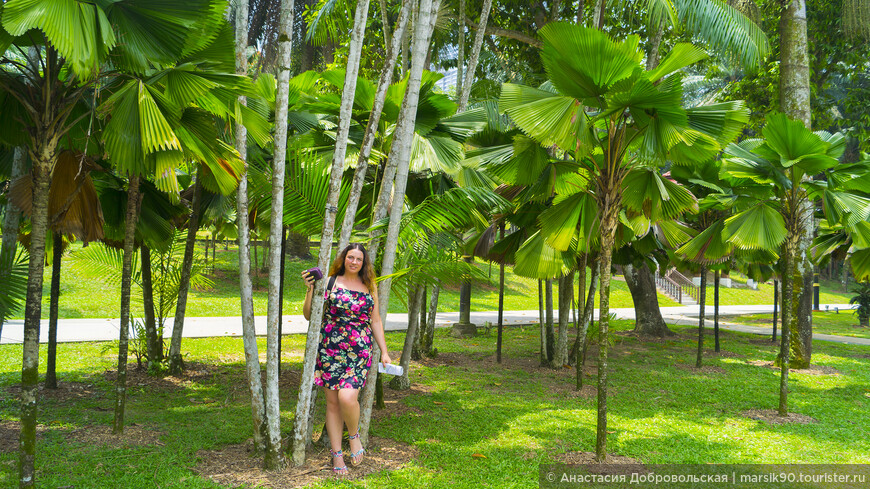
(691, 289)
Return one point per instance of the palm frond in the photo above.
(759, 227)
(725, 29)
(13, 281)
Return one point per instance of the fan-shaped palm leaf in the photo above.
(759, 227)
(536, 259)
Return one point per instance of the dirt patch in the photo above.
(65, 392)
(133, 436)
(393, 401)
(9, 432)
(812, 370)
(235, 465)
(706, 369)
(615, 464)
(771, 416)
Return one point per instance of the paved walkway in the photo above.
(72, 330)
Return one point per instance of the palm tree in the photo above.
(68, 39)
(770, 177)
(612, 116)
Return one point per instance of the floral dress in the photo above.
(345, 351)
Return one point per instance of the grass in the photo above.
(830, 292)
(515, 415)
(87, 296)
(844, 323)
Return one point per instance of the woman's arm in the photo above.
(378, 330)
(306, 307)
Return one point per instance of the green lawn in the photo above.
(467, 417)
(844, 323)
(830, 292)
(86, 296)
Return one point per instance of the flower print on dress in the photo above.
(345, 353)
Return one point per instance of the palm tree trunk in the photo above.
(580, 345)
(460, 51)
(372, 129)
(126, 281)
(716, 310)
(274, 459)
(653, 57)
(51, 360)
(580, 6)
(788, 294)
(284, 232)
(429, 340)
(176, 363)
(702, 303)
(385, 23)
(609, 213)
(794, 98)
(401, 382)
(401, 153)
(10, 222)
(500, 301)
(775, 306)
(599, 14)
(303, 405)
(566, 298)
(475, 54)
(153, 342)
(542, 322)
(548, 287)
(43, 157)
(249, 338)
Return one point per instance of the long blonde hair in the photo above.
(366, 272)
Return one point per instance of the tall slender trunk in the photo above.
(788, 294)
(401, 382)
(548, 287)
(500, 301)
(274, 459)
(372, 129)
(416, 297)
(303, 409)
(51, 359)
(716, 310)
(566, 298)
(284, 232)
(609, 212)
(460, 51)
(385, 24)
(249, 338)
(11, 221)
(43, 157)
(580, 12)
(400, 152)
(475, 54)
(599, 14)
(794, 98)
(580, 345)
(429, 338)
(176, 363)
(702, 304)
(153, 341)
(775, 307)
(126, 281)
(542, 322)
(653, 57)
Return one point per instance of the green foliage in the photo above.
(13, 281)
(861, 300)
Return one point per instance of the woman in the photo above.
(345, 352)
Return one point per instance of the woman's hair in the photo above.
(366, 272)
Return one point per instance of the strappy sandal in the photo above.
(339, 471)
(356, 457)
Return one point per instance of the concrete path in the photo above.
(72, 330)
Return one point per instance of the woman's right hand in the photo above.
(308, 279)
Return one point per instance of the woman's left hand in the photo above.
(385, 358)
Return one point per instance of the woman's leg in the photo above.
(348, 401)
(334, 423)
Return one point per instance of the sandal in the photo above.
(339, 471)
(356, 457)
